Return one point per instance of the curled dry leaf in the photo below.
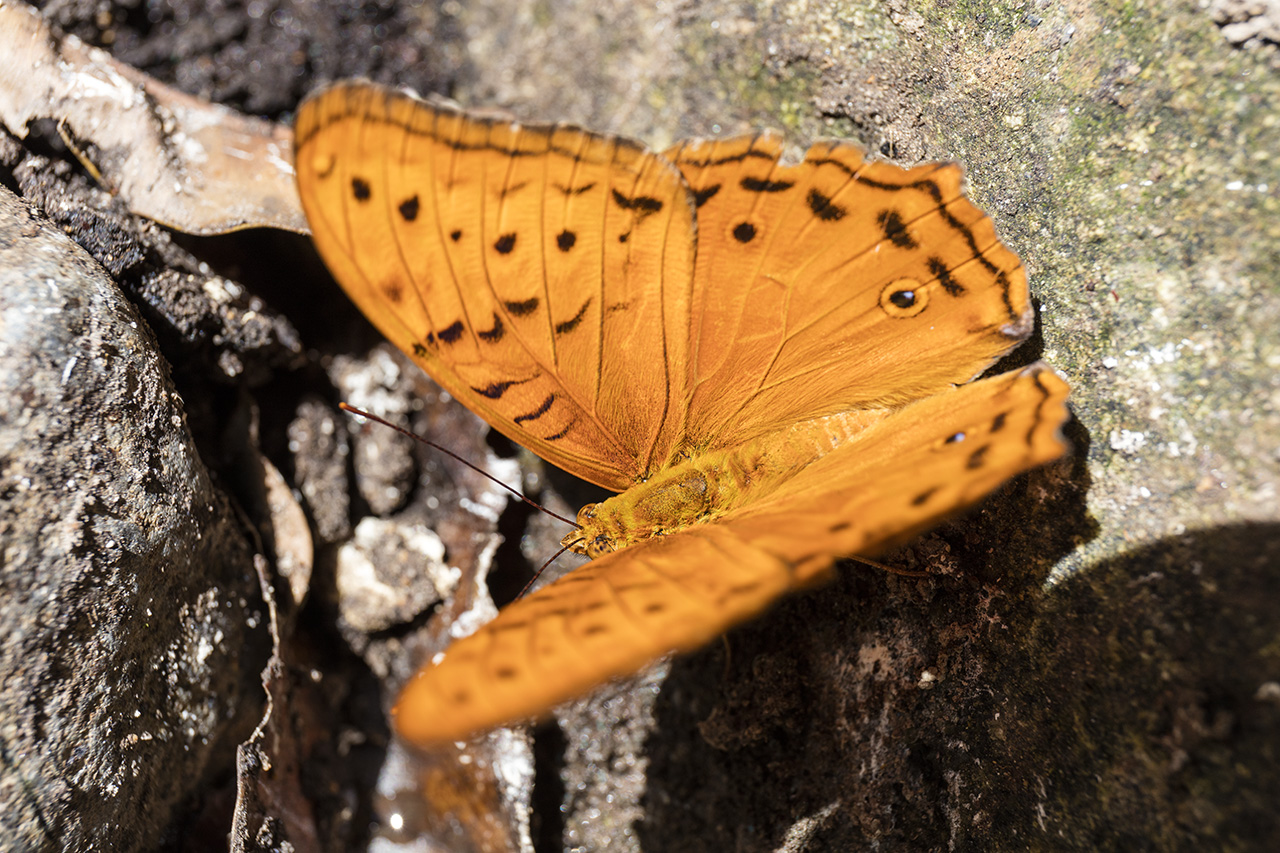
(291, 540)
(272, 810)
(194, 166)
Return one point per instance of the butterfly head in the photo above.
(591, 536)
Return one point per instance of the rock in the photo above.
(132, 627)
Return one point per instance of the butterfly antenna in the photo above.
(893, 570)
(541, 569)
(429, 443)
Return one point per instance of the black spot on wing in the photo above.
(762, 185)
(824, 208)
(409, 209)
(419, 350)
(923, 498)
(565, 240)
(978, 458)
(903, 298)
(494, 334)
(741, 157)
(1039, 418)
(641, 204)
(744, 232)
(522, 309)
(575, 190)
(895, 229)
(561, 434)
(925, 185)
(538, 412)
(496, 390)
(948, 282)
(455, 235)
(505, 244)
(360, 189)
(1039, 383)
(572, 323)
(704, 195)
(451, 333)
(1002, 279)
(998, 423)
(394, 291)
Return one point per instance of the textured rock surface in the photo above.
(130, 608)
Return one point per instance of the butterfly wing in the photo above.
(675, 593)
(909, 471)
(835, 284)
(540, 274)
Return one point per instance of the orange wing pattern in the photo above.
(836, 284)
(546, 276)
(770, 350)
(541, 274)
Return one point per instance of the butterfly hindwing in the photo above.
(674, 593)
(915, 467)
(609, 618)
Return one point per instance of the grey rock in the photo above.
(131, 627)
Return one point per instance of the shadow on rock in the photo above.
(1133, 706)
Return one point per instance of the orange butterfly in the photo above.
(766, 360)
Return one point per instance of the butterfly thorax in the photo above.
(673, 500)
(707, 486)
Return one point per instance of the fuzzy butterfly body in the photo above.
(768, 361)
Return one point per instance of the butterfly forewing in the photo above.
(874, 284)
(529, 269)
(647, 284)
